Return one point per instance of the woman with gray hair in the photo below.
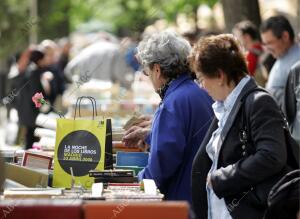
(181, 120)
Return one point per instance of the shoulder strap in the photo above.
(244, 132)
(293, 149)
(251, 91)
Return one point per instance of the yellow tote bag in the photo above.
(79, 148)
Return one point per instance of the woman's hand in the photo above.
(134, 137)
(147, 121)
(144, 121)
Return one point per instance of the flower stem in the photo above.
(42, 101)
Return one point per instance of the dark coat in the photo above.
(244, 175)
(292, 100)
(28, 84)
(290, 95)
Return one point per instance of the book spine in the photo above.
(129, 174)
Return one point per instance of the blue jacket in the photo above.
(178, 128)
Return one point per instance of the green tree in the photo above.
(173, 7)
(127, 17)
(130, 17)
(14, 25)
(57, 18)
(53, 19)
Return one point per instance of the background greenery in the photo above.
(57, 18)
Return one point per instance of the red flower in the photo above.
(38, 100)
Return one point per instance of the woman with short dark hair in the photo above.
(242, 155)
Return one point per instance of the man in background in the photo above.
(278, 37)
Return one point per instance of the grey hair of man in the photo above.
(168, 50)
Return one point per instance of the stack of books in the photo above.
(133, 191)
(113, 176)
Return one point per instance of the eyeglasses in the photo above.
(199, 80)
(145, 72)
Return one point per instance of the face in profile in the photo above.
(276, 46)
(212, 86)
(154, 75)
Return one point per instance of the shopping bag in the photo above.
(80, 147)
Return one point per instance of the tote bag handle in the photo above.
(78, 103)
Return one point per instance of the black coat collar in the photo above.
(251, 84)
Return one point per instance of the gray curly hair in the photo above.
(168, 50)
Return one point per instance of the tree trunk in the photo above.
(238, 10)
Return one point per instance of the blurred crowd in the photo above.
(224, 66)
(47, 68)
(40, 68)
(270, 51)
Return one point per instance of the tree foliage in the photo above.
(56, 18)
(13, 25)
(132, 16)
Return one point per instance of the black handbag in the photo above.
(283, 200)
